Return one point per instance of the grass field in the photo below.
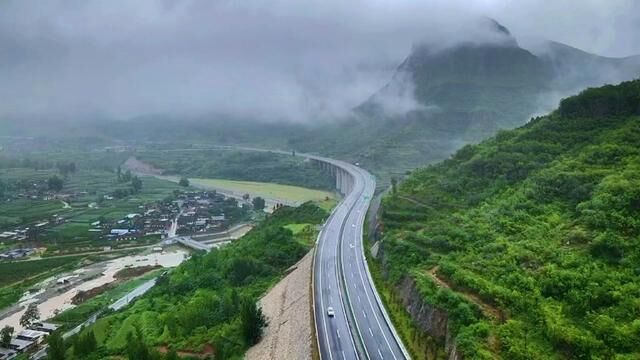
(266, 190)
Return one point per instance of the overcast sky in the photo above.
(276, 60)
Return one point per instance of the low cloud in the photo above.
(278, 60)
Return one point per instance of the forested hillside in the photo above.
(206, 306)
(531, 240)
(463, 94)
(238, 165)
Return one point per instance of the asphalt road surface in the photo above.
(360, 328)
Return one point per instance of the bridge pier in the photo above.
(343, 180)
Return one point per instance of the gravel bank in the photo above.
(286, 306)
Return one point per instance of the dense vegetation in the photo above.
(209, 300)
(235, 165)
(530, 239)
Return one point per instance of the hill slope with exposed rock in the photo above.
(526, 244)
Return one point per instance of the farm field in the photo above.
(266, 190)
(16, 277)
(75, 232)
(11, 272)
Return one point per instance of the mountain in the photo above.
(526, 245)
(481, 81)
(576, 69)
(440, 98)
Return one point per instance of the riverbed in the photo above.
(53, 297)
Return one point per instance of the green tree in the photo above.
(85, 343)
(55, 183)
(30, 315)
(136, 184)
(126, 177)
(394, 185)
(258, 203)
(5, 336)
(253, 321)
(56, 349)
(183, 182)
(171, 355)
(136, 348)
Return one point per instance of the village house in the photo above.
(31, 335)
(44, 327)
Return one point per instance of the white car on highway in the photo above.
(330, 312)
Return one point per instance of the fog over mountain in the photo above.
(285, 60)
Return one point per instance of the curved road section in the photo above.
(360, 328)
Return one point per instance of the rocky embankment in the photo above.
(431, 320)
(289, 334)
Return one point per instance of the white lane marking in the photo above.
(359, 299)
(344, 311)
(370, 332)
(366, 292)
(364, 313)
(338, 331)
(324, 318)
(338, 273)
(344, 357)
(381, 357)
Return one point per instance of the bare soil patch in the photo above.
(139, 167)
(487, 309)
(289, 333)
(129, 273)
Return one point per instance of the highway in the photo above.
(360, 328)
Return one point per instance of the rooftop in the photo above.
(19, 345)
(31, 334)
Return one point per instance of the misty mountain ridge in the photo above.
(497, 79)
(469, 91)
(439, 98)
